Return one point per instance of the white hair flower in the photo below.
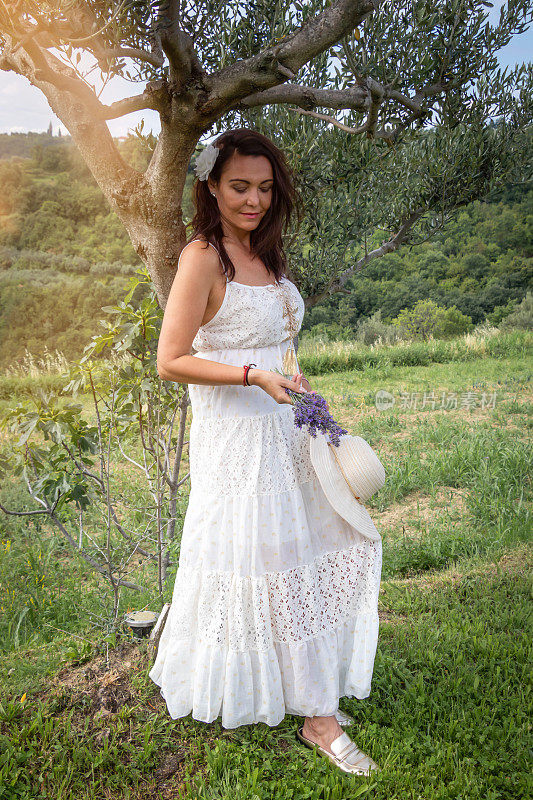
(205, 161)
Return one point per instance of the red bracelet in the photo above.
(245, 378)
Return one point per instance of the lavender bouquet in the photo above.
(311, 409)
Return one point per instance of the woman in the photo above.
(258, 625)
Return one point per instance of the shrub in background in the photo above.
(522, 316)
(372, 330)
(426, 319)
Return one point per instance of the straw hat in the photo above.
(349, 475)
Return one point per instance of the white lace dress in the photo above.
(274, 607)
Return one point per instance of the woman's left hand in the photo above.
(301, 381)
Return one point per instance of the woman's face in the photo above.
(244, 193)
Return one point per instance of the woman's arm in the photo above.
(198, 272)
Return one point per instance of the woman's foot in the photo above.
(322, 730)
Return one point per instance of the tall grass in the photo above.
(46, 372)
(33, 366)
(321, 358)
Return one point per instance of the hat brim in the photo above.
(337, 491)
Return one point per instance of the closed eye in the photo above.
(241, 191)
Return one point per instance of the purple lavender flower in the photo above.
(311, 409)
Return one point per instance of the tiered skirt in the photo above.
(274, 607)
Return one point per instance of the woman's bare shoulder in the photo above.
(201, 245)
(199, 259)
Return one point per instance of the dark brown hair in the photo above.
(266, 240)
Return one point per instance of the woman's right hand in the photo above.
(274, 384)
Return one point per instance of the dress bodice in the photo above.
(252, 316)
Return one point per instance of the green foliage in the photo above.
(372, 329)
(22, 145)
(478, 264)
(27, 385)
(453, 323)
(66, 458)
(15, 182)
(421, 321)
(56, 206)
(38, 588)
(57, 476)
(500, 313)
(53, 310)
(59, 239)
(322, 358)
(521, 316)
(332, 332)
(54, 475)
(426, 319)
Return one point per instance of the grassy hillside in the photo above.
(64, 254)
(447, 716)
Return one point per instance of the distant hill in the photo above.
(64, 254)
(21, 144)
(480, 263)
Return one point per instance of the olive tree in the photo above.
(394, 113)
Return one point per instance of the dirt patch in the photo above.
(421, 506)
(99, 689)
(105, 682)
(517, 561)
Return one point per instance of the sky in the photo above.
(24, 108)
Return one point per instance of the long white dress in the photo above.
(274, 607)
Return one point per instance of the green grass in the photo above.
(447, 718)
(448, 713)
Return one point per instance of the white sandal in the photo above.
(345, 754)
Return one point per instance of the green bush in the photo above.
(522, 316)
(372, 329)
(330, 332)
(454, 323)
(427, 319)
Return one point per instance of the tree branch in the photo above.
(92, 561)
(82, 469)
(74, 32)
(154, 97)
(337, 284)
(50, 512)
(178, 45)
(128, 191)
(58, 77)
(309, 97)
(367, 96)
(328, 118)
(283, 60)
(64, 91)
(29, 513)
(132, 52)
